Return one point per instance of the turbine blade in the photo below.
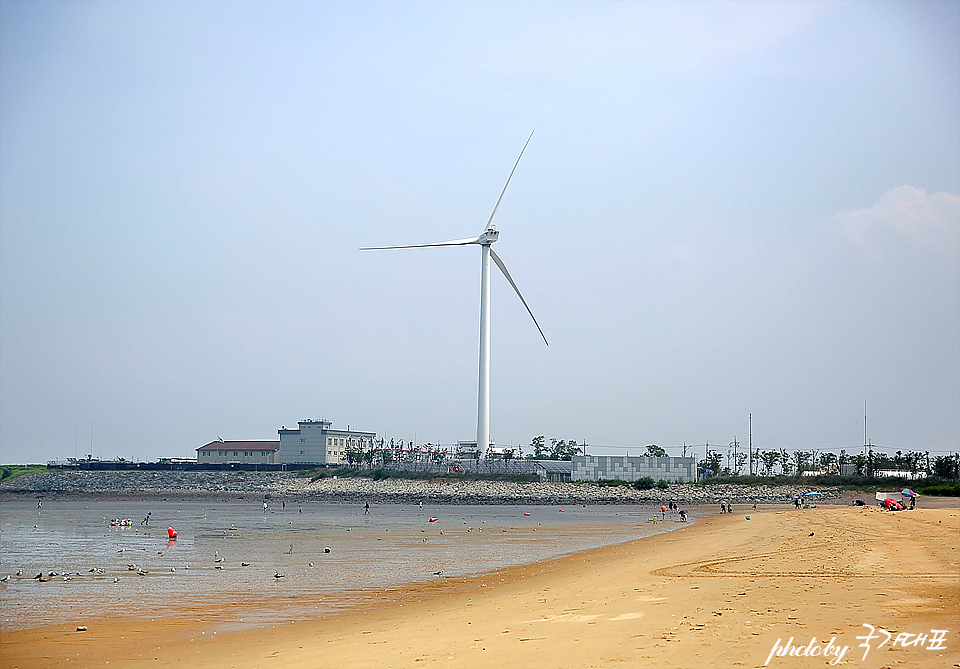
(453, 242)
(503, 268)
(493, 215)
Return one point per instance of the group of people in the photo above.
(673, 506)
(726, 507)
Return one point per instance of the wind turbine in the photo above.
(485, 241)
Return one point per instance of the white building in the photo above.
(315, 442)
(244, 452)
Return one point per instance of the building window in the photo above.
(247, 453)
(303, 452)
(303, 441)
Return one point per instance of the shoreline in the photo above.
(720, 593)
(235, 486)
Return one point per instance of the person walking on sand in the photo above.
(366, 509)
(146, 519)
(264, 506)
(754, 505)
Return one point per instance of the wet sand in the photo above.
(720, 593)
(236, 547)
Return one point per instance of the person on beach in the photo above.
(683, 516)
(39, 504)
(723, 507)
(283, 504)
(264, 506)
(754, 505)
(146, 519)
(366, 509)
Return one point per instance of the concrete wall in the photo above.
(624, 468)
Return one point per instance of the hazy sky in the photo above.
(726, 208)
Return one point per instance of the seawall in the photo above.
(290, 487)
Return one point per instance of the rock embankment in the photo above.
(289, 486)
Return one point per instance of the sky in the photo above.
(727, 209)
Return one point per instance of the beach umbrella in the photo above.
(908, 492)
(811, 494)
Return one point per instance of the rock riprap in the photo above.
(289, 486)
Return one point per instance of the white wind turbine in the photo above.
(485, 241)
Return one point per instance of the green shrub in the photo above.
(662, 485)
(9, 472)
(644, 483)
(941, 490)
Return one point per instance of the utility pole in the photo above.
(685, 449)
(868, 450)
(750, 443)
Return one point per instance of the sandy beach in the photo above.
(725, 592)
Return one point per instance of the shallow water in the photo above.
(394, 545)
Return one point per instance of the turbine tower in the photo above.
(486, 239)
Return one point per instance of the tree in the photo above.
(711, 462)
(828, 462)
(354, 455)
(769, 460)
(842, 459)
(563, 450)
(786, 467)
(947, 466)
(655, 451)
(538, 444)
(739, 461)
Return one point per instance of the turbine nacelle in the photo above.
(489, 236)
